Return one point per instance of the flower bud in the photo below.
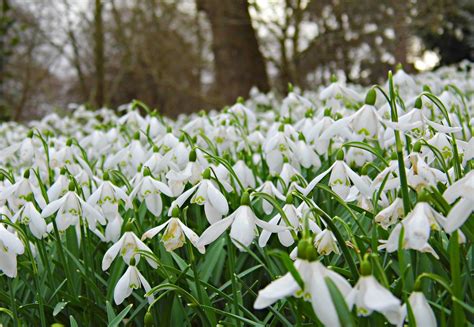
(340, 155)
(240, 100)
(418, 103)
(245, 199)
(206, 174)
(128, 226)
(63, 171)
(423, 195)
(136, 136)
(146, 171)
(417, 147)
(148, 319)
(30, 134)
(306, 250)
(69, 142)
(327, 112)
(290, 87)
(371, 97)
(365, 267)
(175, 212)
(156, 149)
(192, 155)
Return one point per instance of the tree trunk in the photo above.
(239, 64)
(99, 54)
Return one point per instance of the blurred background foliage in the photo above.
(184, 55)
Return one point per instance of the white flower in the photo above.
(127, 246)
(417, 226)
(390, 215)
(205, 193)
(244, 223)
(285, 237)
(174, 235)
(325, 242)
(340, 180)
(422, 312)
(10, 247)
(315, 290)
(368, 296)
(132, 279)
(150, 190)
(464, 189)
(17, 194)
(245, 175)
(269, 188)
(107, 197)
(59, 188)
(28, 215)
(69, 208)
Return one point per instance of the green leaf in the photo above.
(343, 313)
(73, 322)
(59, 307)
(117, 320)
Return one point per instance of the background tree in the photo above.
(238, 63)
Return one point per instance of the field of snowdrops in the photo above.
(349, 206)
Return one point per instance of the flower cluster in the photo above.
(364, 195)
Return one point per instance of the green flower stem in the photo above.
(230, 248)
(454, 256)
(399, 147)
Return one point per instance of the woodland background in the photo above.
(185, 55)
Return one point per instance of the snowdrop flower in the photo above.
(338, 90)
(69, 208)
(391, 214)
(417, 226)
(245, 175)
(107, 197)
(149, 190)
(128, 158)
(314, 275)
(243, 223)
(127, 246)
(19, 193)
(305, 154)
(421, 174)
(460, 212)
(269, 188)
(10, 247)
(369, 296)
(132, 279)
(295, 219)
(325, 243)
(276, 148)
(132, 119)
(26, 150)
(175, 233)
(59, 187)
(340, 179)
(160, 164)
(285, 237)
(205, 193)
(28, 215)
(422, 312)
(192, 173)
